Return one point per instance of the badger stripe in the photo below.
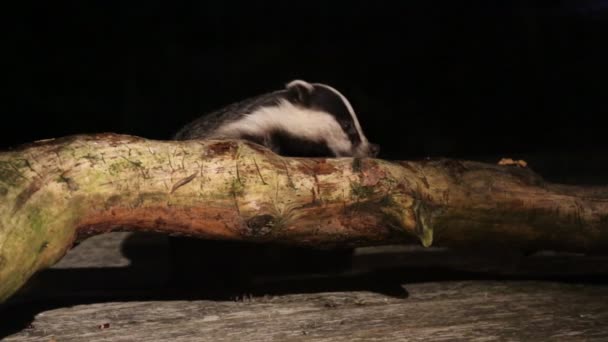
(351, 111)
(300, 122)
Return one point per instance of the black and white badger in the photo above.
(302, 120)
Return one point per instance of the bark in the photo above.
(55, 192)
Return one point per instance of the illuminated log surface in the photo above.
(55, 192)
(448, 311)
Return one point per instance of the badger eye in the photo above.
(350, 129)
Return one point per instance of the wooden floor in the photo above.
(392, 294)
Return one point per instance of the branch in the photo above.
(55, 192)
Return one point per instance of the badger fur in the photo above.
(302, 120)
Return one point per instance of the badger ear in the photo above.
(300, 91)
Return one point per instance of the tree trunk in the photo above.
(54, 192)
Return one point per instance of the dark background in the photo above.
(481, 80)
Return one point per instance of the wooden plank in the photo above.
(451, 296)
(449, 311)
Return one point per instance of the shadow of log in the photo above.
(386, 270)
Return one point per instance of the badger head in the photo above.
(342, 133)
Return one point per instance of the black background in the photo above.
(476, 79)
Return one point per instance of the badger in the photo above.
(302, 120)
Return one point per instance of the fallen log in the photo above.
(58, 191)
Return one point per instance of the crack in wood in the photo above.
(183, 182)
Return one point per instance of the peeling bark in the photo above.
(57, 191)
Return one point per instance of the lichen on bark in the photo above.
(57, 191)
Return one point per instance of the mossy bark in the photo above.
(57, 191)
